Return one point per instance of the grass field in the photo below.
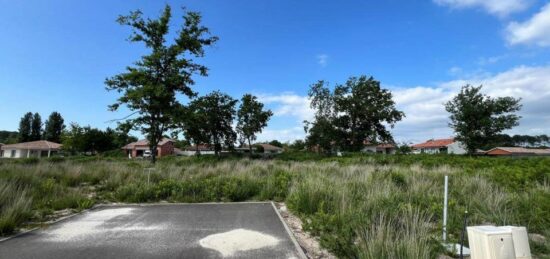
(360, 206)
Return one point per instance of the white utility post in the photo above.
(445, 209)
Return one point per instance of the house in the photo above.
(517, 151)
(436, 146)
(39, 148)
(137, 149)
(202, 149)
(267, 149)
(384, 148)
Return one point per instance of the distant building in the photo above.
(436, 146)
(1, 151)
(39, 148)
(202, 149)
(379, 148)
(268, 149)
(140, 148)
(517, 151)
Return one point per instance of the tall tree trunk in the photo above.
(249, 145)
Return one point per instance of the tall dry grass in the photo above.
(359, 208)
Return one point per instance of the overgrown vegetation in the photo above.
(360, 206)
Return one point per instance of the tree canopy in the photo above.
(214, 114)
(251, 118)
(54, 127)
(478, 119)
(25, 128)
(149, 88)
(356, 112)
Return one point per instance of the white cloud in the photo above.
(535, 31)
(455, 70)
(322, 60)
(283, 135)
(495, 7)
(427, 118)
(289, 104)
(424, 105)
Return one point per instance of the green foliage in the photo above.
(54, 127)
(214, 114)
(360, 206)
(25, 128)
(149, 88)
(36, 128)
(477, 119)
(251, 118)
(8, 137)
(78, 139)
(352, 114)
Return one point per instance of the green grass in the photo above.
(360, 206)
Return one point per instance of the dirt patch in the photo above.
(309, 244)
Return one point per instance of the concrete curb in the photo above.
(290, 234)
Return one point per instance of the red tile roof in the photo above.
(521, 150)
(435, 143)
(34, 145)
(145, 143)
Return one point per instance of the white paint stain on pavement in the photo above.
(229, 243)
(92, 223)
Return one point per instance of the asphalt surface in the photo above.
(158, 231)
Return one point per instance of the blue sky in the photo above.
(55, 56)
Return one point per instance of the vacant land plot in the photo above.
(358, 206)
(242, 230)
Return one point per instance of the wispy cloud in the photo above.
(499, 8)
(322, 60)
(424, 105)
(534, 31)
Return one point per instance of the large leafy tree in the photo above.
(190, 121)
(251, 118)
(215, 113)
(36, 127)
(321, 131)
(53, 128)
(477, 118)
(365, 109)
(149, 88)
(356, 112)
(25, 128)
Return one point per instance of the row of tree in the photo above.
(346, 117)
(85, 139)
(149, 88)
(30, 127)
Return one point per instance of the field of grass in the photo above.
(360, 206)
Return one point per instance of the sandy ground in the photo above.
(309, 244)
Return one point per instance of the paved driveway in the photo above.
(228, 230)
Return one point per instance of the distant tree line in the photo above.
(78, 139)
(8, 137)
(31, 128)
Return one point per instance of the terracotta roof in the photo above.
(521, 150)
(435, 143)
(145, 143)
(381, 145)
(35, 145)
